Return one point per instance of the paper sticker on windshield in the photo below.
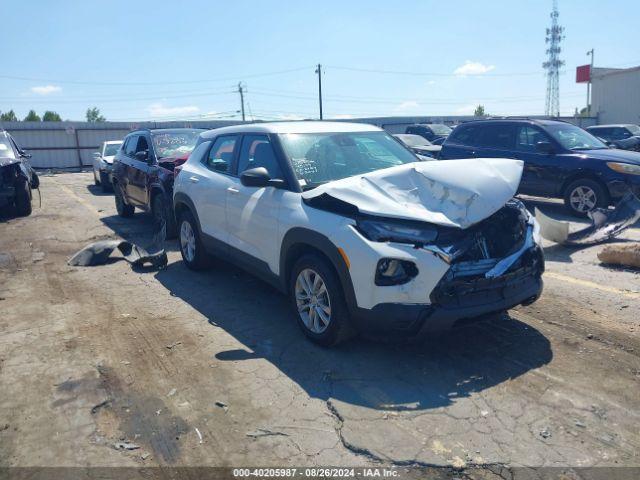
(302, 182)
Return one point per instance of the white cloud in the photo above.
(467, 109)
(46, 89)
(473, 68)
(160, 110)
(431, 82)
(288, 116)
(406, 105)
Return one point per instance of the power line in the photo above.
(432, 74)
(182, 82)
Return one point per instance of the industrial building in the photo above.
(616, 95)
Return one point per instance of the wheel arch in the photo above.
(584, 174)
(181, 203)
(300, 241)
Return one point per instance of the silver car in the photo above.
(103, 164)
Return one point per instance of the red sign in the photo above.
(583, 73)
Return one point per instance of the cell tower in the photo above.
(553, 63)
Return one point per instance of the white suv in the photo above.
(357, 231)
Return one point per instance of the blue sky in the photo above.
(140, 60)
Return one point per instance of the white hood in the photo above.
(456, 193)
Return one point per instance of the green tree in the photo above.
(9, 116)
(93, 115)
(479, 111)
(50, 116)
(32, 116)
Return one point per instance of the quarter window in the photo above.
(465, 136)
(257, 152)
(221, 154)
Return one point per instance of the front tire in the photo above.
(190, 243)
(23, 198)
(583, 195)
(124, 209)
(163, 214)
(317, 299)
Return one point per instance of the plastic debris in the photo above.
(605, 224)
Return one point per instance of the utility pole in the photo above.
(319, 72)
(589, 53)
(241, 92)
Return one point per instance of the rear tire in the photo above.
(23, 198)
(124, 209)
(104, 181)
(163, 213)
(318, 302)
(583, 195)
(190, 243)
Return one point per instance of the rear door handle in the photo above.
(233, 190)
(194, 179)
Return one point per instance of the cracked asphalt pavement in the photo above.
(114, 366)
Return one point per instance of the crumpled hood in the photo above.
(4, 161)
(455, 193)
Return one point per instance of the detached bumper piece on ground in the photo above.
(605, 224)
(98, 253)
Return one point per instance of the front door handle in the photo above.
(194, 179)
(233, 190)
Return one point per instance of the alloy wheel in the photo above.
(187, 241)
(312, 300)
(583, 199)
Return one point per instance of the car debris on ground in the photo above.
(605, 224)
(98, 253)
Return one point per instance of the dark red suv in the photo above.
(143, 171)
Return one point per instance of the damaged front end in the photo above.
(495, 265)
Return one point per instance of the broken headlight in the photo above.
(391, 271)
(386, 231)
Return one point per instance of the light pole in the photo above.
(319, 72)
(589, 53)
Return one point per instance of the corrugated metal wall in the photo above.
(616, 96)
(71, 144)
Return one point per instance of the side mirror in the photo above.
(96, 154)
(255, 177)
(545, 147)
(24, 154)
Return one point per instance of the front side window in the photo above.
(174, 143)
(318, 158)
(257, 152)
(221, 154)
(6, 150)
(574, 138)
(528, 138)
